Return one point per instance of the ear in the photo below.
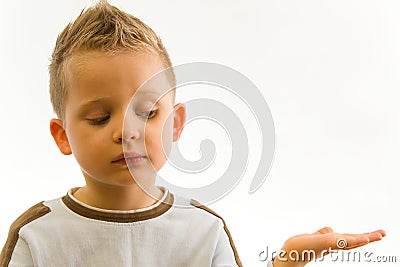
(60, 136)
(179, 120)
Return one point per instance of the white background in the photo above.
(329, 71)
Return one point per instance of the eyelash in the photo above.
(149, 114)
(99, 121)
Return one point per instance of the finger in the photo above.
(382, 232)
(374, 236)
(349, 241)
(325, 230)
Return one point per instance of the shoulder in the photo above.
(193, 206)
(32, 214)
(194, 203)
(35, 212)
(193, 209)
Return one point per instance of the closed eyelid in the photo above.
(94, 115)
(99, 120)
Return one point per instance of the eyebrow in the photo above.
(148, 92)
(153, 93)
(90, 103)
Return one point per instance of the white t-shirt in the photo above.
(67, 232)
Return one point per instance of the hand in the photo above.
(321, 243)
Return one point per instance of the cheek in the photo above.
(158, 142)
(86, 146)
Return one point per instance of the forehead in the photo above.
(94, 74)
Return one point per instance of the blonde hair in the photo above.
(105, 28)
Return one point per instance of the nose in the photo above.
(127, 130)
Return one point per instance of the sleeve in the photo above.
(225, 254)
(21, 255)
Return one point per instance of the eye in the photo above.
(99, 121)
(148, 114)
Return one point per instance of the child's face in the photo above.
(100, 88)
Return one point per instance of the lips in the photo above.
(129, 157)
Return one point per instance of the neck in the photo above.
(112, 197)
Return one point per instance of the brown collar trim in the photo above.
(119, 217)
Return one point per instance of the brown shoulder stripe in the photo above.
(200, 206)
(28, 216)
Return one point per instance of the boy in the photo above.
(120, 218)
